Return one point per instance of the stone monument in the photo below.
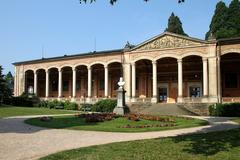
(121, 108)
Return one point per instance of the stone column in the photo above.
(47, 84)
(205, 77)
(59, 83)
(35, 83)
(74, 82)
(89, 84)
(213, 94)
(106, 81)
(154, 73)
(180, 81)
(127, 78)
(133, 82)
(219, 80)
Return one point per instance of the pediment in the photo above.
(168, 40)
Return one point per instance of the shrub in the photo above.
(106, 105)
(43, 104)
(22, 101)
(86, 107)
(226, 110)
(70, 105)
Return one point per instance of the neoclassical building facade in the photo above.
(168, 68)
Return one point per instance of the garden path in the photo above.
(20, 141)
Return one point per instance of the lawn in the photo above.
(223, 145)
(76, 123)
(9, 111)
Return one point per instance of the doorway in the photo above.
(162, 94)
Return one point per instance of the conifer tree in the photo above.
(175, 25)
(226, 21)
(233, 19)
(217, 26)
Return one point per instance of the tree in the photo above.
(112, 2)
(233, 19)
(10, 82)
(175, 25)
(225, 21)
(5, 91)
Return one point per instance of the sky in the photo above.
(30, 29)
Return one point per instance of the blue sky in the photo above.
(66, 27)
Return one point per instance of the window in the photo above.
(231, 80)
(137, 83)
(101, 84)
(54, 85)
(65, 85)
(78, 85)
(194, 92)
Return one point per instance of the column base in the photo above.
(73, 99)
(88, 100)
(180, 100)
(133, 99)
(154, 100)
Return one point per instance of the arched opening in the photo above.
(53, 82)
(29, 81)
(97, 81)
(230, 76)
(41, 83)
(115, 72)
(67, 82)
(192, 76)
(81, 81)
(144, 79)
(167, 76)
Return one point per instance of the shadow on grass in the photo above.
(210, 143)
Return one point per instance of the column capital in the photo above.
(106, 66)
(154, 62)
(133, 63)
(59, 69)
(204, 59)
(73, 68)
(35, 71)
(89, 67)
(179, 60)
(47, 71)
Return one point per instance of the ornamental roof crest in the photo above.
(168, 40)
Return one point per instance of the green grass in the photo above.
(223, 145)
(71, 122)
(10, 111)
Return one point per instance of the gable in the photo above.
(168, 41)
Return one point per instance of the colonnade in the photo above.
(133, 81)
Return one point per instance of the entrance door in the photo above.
(162, 94)
(194, 92)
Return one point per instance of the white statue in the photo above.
(121, 83)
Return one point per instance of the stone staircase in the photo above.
(158, 109)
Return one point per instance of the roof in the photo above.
(131, 47)
(95, 53)
(170, 34)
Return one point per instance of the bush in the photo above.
(70, 105)
(86, 107)
(22, 101)
(106, 105)
(43, 104)
(225, 110)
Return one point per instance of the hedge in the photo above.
(225, 110)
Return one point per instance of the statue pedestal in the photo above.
(121, 108)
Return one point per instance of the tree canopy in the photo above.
(112, 2)
(5, 90)
(225, 21)
(175, 25)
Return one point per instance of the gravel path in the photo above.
(19, 141)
